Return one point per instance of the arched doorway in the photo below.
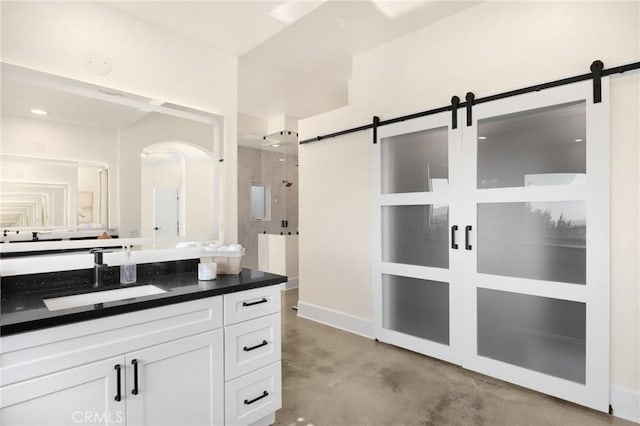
(177, 191)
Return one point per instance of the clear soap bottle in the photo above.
(128, 267)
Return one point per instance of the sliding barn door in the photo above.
(536, 219)
(416, 187)
(491, 240)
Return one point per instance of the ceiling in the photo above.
(80, 104)
(294, 55)
(294, 58)
(233, 27)
(19, 97)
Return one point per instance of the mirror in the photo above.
(40, 194)
(79, 161)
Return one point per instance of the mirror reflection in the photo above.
(79, 161)
(40, 193)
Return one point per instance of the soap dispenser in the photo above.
(128, 267)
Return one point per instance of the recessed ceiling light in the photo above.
(481, 138)
(39, 111)
(275, 145)
(282, 159)
(578, 140)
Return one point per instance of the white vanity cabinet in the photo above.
(159, 366)
(253, 378)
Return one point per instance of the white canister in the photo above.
(207, 271)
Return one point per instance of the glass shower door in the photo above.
(417, 171)
(536, 217)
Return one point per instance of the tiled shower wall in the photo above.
(256, 165)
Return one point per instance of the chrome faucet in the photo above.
(99, 266)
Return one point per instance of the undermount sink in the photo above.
(84, 299)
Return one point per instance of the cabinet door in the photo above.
(80, 395)
(177, 383)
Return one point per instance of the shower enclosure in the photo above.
(267, 193)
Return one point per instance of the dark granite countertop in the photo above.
(22, 307)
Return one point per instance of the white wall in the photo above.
(198, 197)
(490, 48)
(55, 37)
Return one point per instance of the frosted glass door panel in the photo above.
(415, 162)
(545, 146)
(537, 333)
(416, 307)
(416, 235)
(536, 240)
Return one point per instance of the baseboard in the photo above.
(289, 285)
(346, 322)
(625, 403)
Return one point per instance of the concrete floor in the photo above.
(331, 377)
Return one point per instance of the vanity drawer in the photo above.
(31, 354)
(253, 396)
(251, 345)
(249, 304)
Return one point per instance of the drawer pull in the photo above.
(264, 395)
(118, 396)
(135, 376)
(263, 300)
(249, 349)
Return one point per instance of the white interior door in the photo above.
(491, 241)
(417, 176)
(166, 221)
(536, 173)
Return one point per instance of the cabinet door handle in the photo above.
(467, 229)
(264, 395)
(134, 362)
(454, 229)
(118, 369)
(263, 300)
(249, 349)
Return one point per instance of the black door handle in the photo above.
(263, 300)
(467, 229)
(134, 391)
(155, 228)
(264, 395)
(118, 369)
(249, 349)
(454, 229)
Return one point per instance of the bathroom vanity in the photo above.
(196, 353)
